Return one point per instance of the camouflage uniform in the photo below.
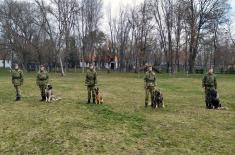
(17, 81)
(150, 83)
(90, 82)
(209, 82)
(42, 80)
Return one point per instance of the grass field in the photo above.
(122, 125)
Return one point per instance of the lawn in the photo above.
(121, 125)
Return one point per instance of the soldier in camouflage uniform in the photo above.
(17, 81)
(42, 80)
(208, 83)
(90, 82)
(149, 84)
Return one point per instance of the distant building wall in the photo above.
(7, 63)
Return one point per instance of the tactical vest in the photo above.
(150, 79)
(91, 78)
(17, 77)
(209, 81)
(42, 78)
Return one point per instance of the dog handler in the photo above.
(90, 82)
(149, 84)
(42, 80)
(17, 81)
(208, 83)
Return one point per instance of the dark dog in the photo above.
(214, 100)
(157, 99)
(98, 96)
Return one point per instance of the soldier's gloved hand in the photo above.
(145, 86)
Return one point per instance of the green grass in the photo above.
(122, 125)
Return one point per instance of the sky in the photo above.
(232, 2)
(116, 4)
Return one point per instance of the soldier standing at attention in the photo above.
(90, 82)
(149, 84)
(208, 83)
(42, 80)
(17, 81)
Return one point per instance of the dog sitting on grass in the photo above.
(49, 94)
(214, 100)
(98, 96)
(157, 99)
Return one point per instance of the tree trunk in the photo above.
(4, 63)
(62, 67)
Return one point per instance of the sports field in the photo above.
(121, 125)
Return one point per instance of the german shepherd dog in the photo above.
(214, 100)
(49, 94)
(98, 96)
(157, 99)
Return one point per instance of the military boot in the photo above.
(89, 101)
(17, 99)
(43, 98)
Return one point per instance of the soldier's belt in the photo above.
(42, 79)
(14, 78)
(149, 81)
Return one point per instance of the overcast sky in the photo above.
(116, 4)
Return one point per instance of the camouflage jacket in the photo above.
(17, 77)
(150, 79)
(209, 81)
(42, 78)
(91, 78)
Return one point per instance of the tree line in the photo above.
(172, 34)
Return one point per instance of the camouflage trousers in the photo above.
(18, 91)
(91, 92)
(43, 90)
(148, 92)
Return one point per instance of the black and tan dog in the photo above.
(98, 96)
(49, 94)
(157, 99)
(214, 100)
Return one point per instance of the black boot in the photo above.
(17, 98)
(93, 101)
(89, 101)
(43, 99)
